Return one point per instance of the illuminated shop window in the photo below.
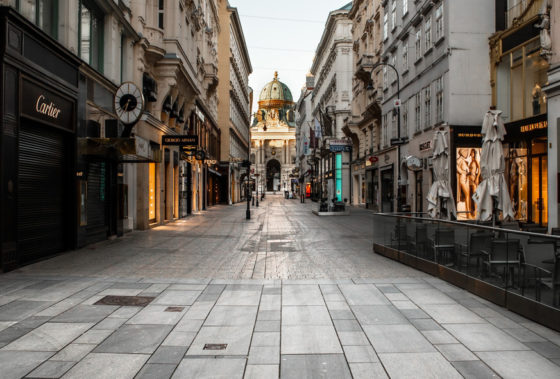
(152, 192)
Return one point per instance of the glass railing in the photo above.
(523, 263)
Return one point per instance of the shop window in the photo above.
(152, 192)
(468, 179)
(516, 177)
(42, 13)
(520, 76)
(90, 35)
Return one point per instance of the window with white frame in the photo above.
(393, 14)
(439, 99)
(428, 34)
(427, 107)
(384, 132)
(418, 44)
(439, 22)
(404, 112)
(385, 78)
(404, 7)
(405, 55)
(385, 26)
(417, 111)
(393, 73)
(394, 124)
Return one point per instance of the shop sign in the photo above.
(413, 163)
(373, 159)
(44, 105)
(340, 145)
(425, 146)
(180, 140)
(534, 126)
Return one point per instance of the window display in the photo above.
(468, 178)
(516, 177)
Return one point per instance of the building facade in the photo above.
(552, 91)
(521, 53)
(331, 102)
(235, 98)
(434, 54)
(364, 125)
(108, 175)
(273, 141)
(305, 156)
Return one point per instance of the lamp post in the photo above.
(398, 141)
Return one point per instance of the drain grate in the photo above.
(136, 301)
(174, 309)
(215, 346)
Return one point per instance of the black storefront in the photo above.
(526, 168)
(38, 106)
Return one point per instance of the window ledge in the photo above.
(417, 133)
(405, 71)
(429, 50)
(429, 127)
(417, 60)
(439, 40)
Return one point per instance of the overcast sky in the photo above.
(282, 36)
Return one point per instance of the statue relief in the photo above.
(544, 26)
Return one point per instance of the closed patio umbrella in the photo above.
(440, 192)
(491, 195)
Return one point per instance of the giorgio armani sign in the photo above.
(40, 104)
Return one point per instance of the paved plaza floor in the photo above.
(286, 294)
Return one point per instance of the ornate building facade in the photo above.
(273, 139)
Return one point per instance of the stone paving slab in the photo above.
(314, 311)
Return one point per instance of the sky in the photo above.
(282, 36)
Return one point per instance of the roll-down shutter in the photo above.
(41, 207)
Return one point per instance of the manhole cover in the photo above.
(215, 346)
(137, 301)
(174, 309)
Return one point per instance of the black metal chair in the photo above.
(443, 246)
(541, 268)
(419, 242)
(478, 241)
(398, 236)
(503, 254)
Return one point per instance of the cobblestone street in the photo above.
(286, 294)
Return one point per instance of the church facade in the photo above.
(273, 139)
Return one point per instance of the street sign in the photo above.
(398, 141)
(180, 140)
(397, 103)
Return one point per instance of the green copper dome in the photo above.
(276, 90)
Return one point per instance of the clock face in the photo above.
(129, 103)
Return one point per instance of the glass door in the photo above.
(539, 187)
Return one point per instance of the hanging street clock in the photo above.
(129, 103)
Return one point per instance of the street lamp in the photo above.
(398, 141)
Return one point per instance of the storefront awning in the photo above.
(124, 150)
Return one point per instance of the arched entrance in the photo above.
(273, 175)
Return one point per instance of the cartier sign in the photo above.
(44, 105)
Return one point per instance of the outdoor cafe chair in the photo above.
(478, 241)
(418, 243)
(539, 269)
(502, 254)
(443, 246)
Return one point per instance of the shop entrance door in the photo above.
(387, 192)
(539, 189)
(419, 193)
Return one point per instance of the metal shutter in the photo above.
(96, 192)
(41, 192)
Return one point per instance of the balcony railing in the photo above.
(513, 268)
